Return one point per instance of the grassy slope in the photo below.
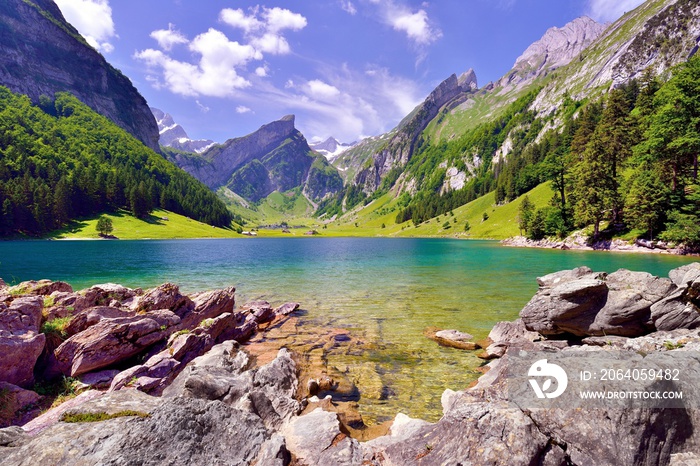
(128, 227)
(274, 209)
(367, 221)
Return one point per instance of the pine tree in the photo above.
(646, 201)
(104, 226)
(594, 187)
(525, 213)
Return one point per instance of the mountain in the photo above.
(657, 35)
(63, 162)
(396, 148)
(276, 157)
(331, 148)
(41, 54)
(173, 135)
(457, 137)
(556, 48)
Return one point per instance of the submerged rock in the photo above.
(453, 339)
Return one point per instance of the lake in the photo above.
(385, 290)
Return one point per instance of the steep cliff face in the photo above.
(400, 147)
(274, 158)
(41, 54)
(556, 48)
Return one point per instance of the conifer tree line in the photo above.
(61, 160)
(629, 161)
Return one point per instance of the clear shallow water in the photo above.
(387, 291)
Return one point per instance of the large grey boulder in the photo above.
(627, 311)
(506, 334)
(474, 431)
(581, 303)
(190, 431)
(268, 391)
(680, 309)
(568, 307)
(316, 439)
(175, 431)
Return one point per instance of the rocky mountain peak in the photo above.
(173, 135)
(331, 148)
(556, 48)
(467, 80)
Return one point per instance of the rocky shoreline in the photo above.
(580, 242)
(167, 378)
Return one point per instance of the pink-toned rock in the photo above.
(17, 405)
(286, 309)
(93, 315)
(166, 296)
(184, 347)
(208, 305)
(41, 287)
(261, 310)
(98, 380)
(52, 416)
(21, 343)
(107, 294)
(113, 340)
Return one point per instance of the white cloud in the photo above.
(93, 19)
(348, 7)
(271, 43)
(237, 18)
(278, 19)
(415, 24)
(263, 27)
(243, 109)
(215, 75)
(221, 62)
(318, 89)
(610, 10)
(167, 38)
(203, 108)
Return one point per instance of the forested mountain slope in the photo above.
(64, 161)
(41, 54)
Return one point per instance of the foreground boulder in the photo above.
(113, 340)
(40, 288)
(205, 419)
(21, 342)
(582, 303)
(17, 405)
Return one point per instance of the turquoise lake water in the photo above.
(386, 291)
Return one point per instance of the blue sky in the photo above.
(345, 68)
